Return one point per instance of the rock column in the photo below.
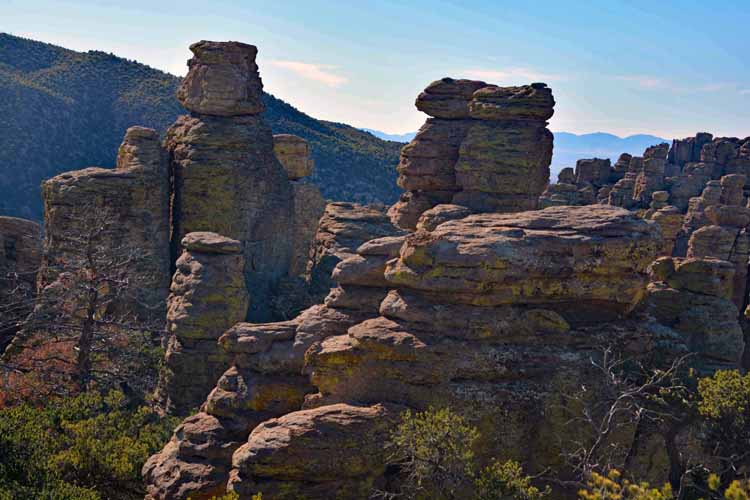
(208, 297)
(226, 177)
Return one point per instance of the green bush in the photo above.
(724, 408)
(434, 451)
(88, 447)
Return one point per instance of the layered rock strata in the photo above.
(485, 147)
(693, 296)
(342, 229)
(208, 296)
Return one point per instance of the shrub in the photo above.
(434, 451)
(724, 407)
(613, 487)
(88, 447)
(506, 480)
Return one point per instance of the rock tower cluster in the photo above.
(486, 148)
(220, 203)
(475, 302)
(461, 295)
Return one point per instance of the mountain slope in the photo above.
(63, 110)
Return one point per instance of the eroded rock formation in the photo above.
(486, 148)
(20, 257)
(226, 177)
(125, 210)
(266, 380)
(208, 296)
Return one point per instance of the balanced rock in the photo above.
(486, 148)
(227, 178)
(223, 80)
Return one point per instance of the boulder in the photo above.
(334, 451)
(222, 80)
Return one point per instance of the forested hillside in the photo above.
(63, 110)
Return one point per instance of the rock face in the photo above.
(497, 314)
(132, 201)
(580, 186)
(331, 452)
(486, 148)
(20, 257)
(208, 296)
(543, 257)
(342, 229)
(693, 296)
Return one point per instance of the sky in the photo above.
(668, 68)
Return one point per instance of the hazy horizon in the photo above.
(364, 64)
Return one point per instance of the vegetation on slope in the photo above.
(63, 110)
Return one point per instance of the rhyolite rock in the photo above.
(342, 229)
(334, 451)
(266, 360)
(208, 296)
(222, 80)
(227, 178)
(294, 154)
(20, 258)
(486, 148)
(533, 257)
(133, 200)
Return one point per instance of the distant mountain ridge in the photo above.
(63, 110)
(572, 147)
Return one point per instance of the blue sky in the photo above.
(669, 68)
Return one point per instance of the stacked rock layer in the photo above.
(486, 148)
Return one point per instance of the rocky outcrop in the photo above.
(223, 80)
(585, 185)
(292, 293)
(485, 147)
(331, 452)
(265, 378)
(725, 235)
(122, 214)
(208, 296)
(342, 229)
(226, 177)
(694, 297)
(533, 266)
(20, 257)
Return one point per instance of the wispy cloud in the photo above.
(511, 74)
(321, 73)
(657, 83)
(745, 91)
